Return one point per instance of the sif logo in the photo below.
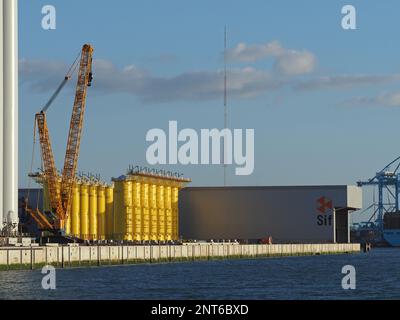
(324, 211)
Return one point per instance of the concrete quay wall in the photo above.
(75, 256)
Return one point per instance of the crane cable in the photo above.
(32, 159)
(73, 67)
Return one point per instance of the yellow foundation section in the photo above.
(128, 210)
(153, 213)
(109, 212)
(101, 213)
(168, 213)
(68, 226)
(93, 212)
(145, 208)
(91, 215)
(138, 207)
(175, 216)
(137, 210)
(119, 216)
(145, 204)
(84, 212)
(161, 213)
(75, 211)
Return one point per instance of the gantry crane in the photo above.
(60, 193)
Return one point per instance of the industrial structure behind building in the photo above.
(298, 214)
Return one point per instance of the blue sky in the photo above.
(324, 108)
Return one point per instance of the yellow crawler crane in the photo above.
(60, 197)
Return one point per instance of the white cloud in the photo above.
(108, 79)
(42, 76)
(390, 99)
(296, 63)
(251, 53)
(246, 82)
(287, 61)
(345, 81)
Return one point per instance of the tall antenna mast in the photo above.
(225, 104)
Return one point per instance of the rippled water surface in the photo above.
(315, 277)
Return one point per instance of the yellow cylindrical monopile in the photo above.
(146, 224)
(75, 210)
(153, 212)
(175, 216)
(145, 195)
(68, 225)
(137, 211)
(84, 211)
(109, 212)
(93, 212)
(128, 209)
(161, 213)
(168, 225)
(168, 212)
(137, 230)
(145, 211)
(101, 213)
(168, 197)
(119, 211)
(136, 193)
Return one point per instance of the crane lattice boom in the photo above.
(60, 194)
(75, 130)
(50, 171)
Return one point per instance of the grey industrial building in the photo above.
(293, 214)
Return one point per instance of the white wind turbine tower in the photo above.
(9, 115)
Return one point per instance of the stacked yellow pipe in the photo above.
(175, 215)
(68, 225)
(161, 212)
(93, 212)
(84, 212)
(144, 208)
(153, 213)
(137, 211)
(145, 204)
(119, 212)
(101, 213)
(128, 210)
(168, 213)
(75, 211)
(109, 212)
